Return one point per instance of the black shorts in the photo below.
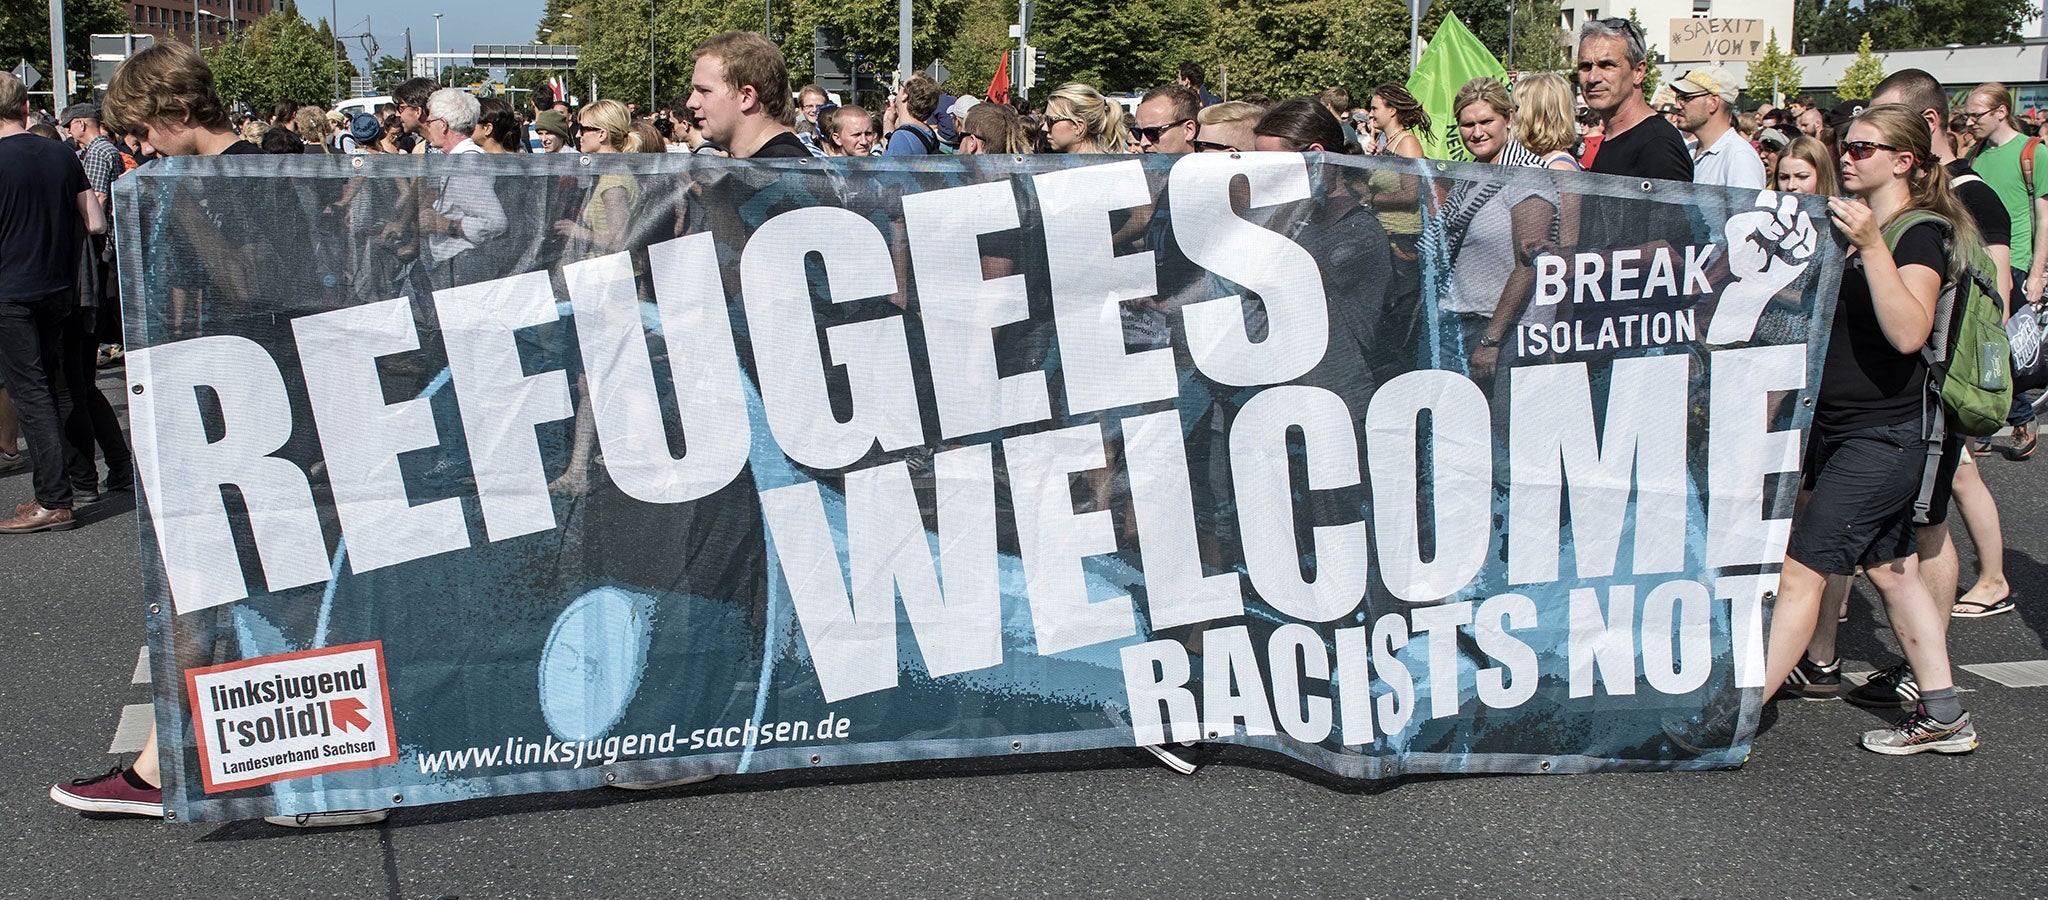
(1864, 481)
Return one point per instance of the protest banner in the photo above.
(828, 462)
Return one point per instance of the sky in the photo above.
(463, 23)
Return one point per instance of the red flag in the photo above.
(999, 87)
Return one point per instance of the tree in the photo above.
(387, 73)
(1118, 46)
(25, 31)
(1862, 75)
(1774, 74)
(278, 58)
(1539, 42)
(463, 76)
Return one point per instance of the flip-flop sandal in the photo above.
(1971, 609)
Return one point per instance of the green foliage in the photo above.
(387, 73)
(1862, 75)
(463, 76)
(1837, 26)
(1540, 44)
(278, 58)
(25, 32)
(1774, 72)
(1121, 46)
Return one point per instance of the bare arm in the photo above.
(89, 208)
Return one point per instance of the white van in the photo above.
(354, 105)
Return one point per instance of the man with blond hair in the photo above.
(739, 92)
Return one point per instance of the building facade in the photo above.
(213, 20)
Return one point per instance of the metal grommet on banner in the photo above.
(356, 162)
(1212, 732)
(611, 778)
(1443, 167)
(1016, 745)
(816, 759)
(170, 815)
(137, 389)
(155, 608)
(1770, 595)
(1647, 186)
(1544, 765)
(1808, 403)
(583, 160)
(398, 798)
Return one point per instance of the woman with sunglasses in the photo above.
(1868, 447)
(1078, 119)
(604, 127)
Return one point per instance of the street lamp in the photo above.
(437, 47)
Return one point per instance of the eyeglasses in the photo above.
(1972, 117)
(1067, 119)
(1213, 147)
(1684, 97)
(1862, 150)
(1150, 133)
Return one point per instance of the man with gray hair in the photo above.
(465, 212)
(1638, 143)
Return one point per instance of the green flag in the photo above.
(1453, 57)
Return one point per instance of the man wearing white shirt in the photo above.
(1721, 155)
(466, 213)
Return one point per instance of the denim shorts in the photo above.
(1864, 481)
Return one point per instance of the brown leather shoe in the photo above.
(36, 518)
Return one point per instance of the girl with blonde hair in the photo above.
(1544, 123)
(1078, 119)
(605, 127)
(1806, 168)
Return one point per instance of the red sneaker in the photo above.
(115, 792)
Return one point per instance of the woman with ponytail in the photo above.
(1868, 449)
(1078, 119)
(605, 127)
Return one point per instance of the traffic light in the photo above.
(1034, 59)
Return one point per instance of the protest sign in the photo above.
(829, 462)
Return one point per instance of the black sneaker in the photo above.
(1812, 681)
(1888, 688)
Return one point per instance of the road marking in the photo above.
(2032, 673)
(141, 675)
(133, 732)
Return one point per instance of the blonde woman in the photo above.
(1806, 168)
(1543, 120)
(605, 127)
(1078, 119)
(310, 122)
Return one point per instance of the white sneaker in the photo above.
(1173, 761)
(331, 819)
(658, 784)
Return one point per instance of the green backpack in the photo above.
(1969, 357)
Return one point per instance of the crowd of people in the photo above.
(1910, 148)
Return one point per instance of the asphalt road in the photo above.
(1811, 815)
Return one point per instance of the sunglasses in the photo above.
(1150, 133)
(1688, 98)
(1862, 150)
(1626, 24)
(579, 129)
(1213, 147)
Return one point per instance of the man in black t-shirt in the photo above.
(46, 206)
(739, 91)
(1612, 66)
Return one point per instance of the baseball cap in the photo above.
(962, 105)
(78, 111)
(1709, 80)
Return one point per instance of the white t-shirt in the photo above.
(1731, 162)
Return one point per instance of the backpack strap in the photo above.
(930, 142)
